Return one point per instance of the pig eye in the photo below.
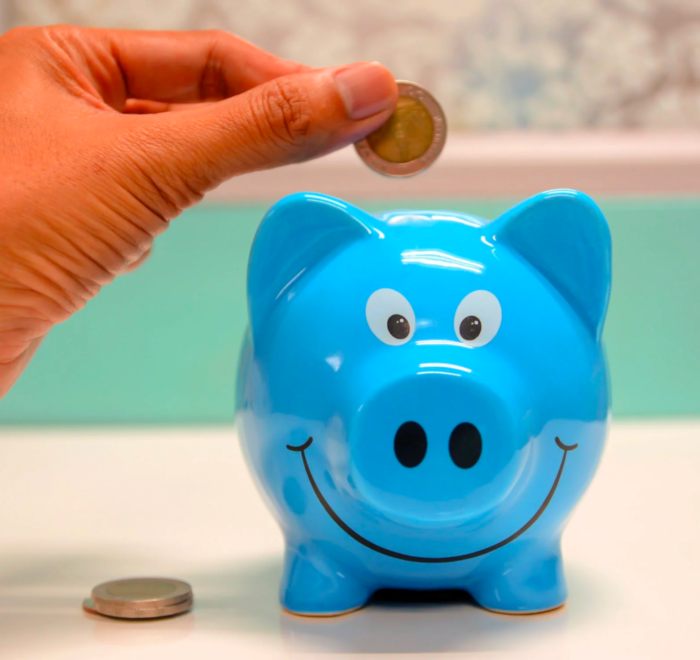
(390, 317)
(478, 318)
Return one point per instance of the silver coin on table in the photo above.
(140, 598)
(411, 139)
(135, 613)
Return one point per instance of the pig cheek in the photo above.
(294, 496)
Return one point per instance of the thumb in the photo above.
(287, 120)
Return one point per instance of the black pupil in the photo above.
(410, 444)
(398, 326)
(470, 328)
(465, 445)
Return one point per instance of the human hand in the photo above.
(106, 136)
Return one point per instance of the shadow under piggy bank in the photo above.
(418, 622)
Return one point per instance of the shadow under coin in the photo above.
(398, 621)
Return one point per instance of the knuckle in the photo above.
(217, 35)
(287, 109)
(213, 82)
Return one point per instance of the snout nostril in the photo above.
(410, 444)
(465, 445)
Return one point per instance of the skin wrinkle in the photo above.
(105, 74)
(290, 110)
(125, 93)
(42, 283)
(78, 288)
(196, 182)
(63, 70)
(145, 153)
(104, 274)
(212, 78)
(60, 228)
(265, 121)
(54, 242)
(120, 259)
(28, 318)
(127, 242)
(122, 154)
(101, 246)
(15, 339)
(100, 75)
(154, 192)
(72, 267)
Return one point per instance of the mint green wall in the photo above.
(161, 345)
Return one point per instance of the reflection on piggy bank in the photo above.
(423, 395)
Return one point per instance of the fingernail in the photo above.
(366, 88)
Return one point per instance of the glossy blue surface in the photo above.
(485, 336)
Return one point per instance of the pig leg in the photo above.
(529, 580)
(313, 585)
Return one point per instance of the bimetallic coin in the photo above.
(411, 139)
(141, 598)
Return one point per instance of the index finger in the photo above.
(172, 67)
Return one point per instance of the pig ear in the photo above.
(564, 235)
(295, 235)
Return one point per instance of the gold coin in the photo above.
(411, 139)
(406, 136)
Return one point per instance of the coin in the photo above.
(137, 613)
(140, 598)
(411, 139)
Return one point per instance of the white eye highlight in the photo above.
(478, 318)
(390, 317)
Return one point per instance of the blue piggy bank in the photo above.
(423, 395)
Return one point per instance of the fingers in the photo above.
(182, 67)
(287, 120)
(171, 67)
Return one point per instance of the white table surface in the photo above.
(78, 507)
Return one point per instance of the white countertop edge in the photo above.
(500, 165)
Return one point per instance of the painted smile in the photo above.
(430, 560)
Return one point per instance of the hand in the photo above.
(106, 136)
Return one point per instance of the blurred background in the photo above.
(494, 64)
(602, 95)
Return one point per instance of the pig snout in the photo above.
(436, 445)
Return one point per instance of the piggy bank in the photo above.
(423, 395)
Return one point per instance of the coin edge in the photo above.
(140, 613)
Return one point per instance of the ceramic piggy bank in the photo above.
(423, 395)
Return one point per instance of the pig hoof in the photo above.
(525, 587)
(313, 586)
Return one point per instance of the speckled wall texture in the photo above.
(494, 64)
